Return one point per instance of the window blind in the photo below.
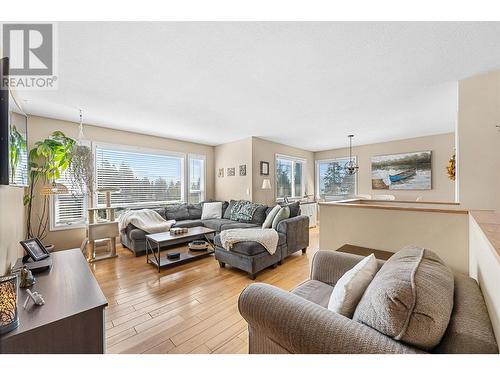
(70, 209)
(143, 178)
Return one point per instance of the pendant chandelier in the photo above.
(351, 166)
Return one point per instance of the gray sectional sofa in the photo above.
(293, 232)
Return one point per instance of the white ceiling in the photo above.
(303, 84)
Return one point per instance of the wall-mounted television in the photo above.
(13, 134)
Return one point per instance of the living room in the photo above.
(251, 188)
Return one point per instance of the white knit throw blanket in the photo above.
(266, 237)
(148, 220)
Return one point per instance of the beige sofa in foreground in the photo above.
(299, 321)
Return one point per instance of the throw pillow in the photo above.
(229, 209)
(243, 211)
(294, 208)
(410, 298)
(259, 215)
(212, 210)
(351, 286)
(270, 217)
(283, 213)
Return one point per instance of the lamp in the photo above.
(9, 318)
(266, 185)
(54, 188)
(351, 166)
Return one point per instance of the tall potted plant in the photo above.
(47, 160)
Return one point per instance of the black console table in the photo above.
(72, 319)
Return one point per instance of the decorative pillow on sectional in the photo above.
(243, 211)
(161, 211)
(351, 286)
(294, 208)
(229, 209)
(410, 298)
(259, 216)
(195, 211)
(211, 210)
(177, 212)
(283, 214)
(270, 217)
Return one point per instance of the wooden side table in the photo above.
(72, 319)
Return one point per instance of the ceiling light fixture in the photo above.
(351, 166)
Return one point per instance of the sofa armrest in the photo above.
(296, 230)
(300, 326)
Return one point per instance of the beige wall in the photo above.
(479, 141)
(12, 222)
(232, 155)
(444, 233)
(442, 146)
(40, 127)
(264, 150)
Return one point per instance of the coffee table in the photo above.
(155, 241)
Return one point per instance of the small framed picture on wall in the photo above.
(264, 168)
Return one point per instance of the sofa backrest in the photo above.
(469, 329)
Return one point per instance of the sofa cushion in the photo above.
(259, 216)
(237, 224)
(212, 210)
(410, 299)
(294, 208)
(270, 215)
(314, 291)
(216, 224)
(283, 214)
(348, 290)
(243, 211)
(161, 211)
(188, 223)
(244, 247)
(194, 211)
(229, 209)
(469, 330)
(177, 212)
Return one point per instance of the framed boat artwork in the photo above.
(408, 171)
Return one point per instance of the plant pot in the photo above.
(50, 247)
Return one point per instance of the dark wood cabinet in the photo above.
(72, 319)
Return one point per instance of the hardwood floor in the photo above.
(187, 309)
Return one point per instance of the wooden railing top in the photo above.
(489, 222)
(399, 205)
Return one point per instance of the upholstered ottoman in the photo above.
(248, 256)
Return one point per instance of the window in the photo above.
(290, 177)
(196, 193)
(143, 177)
(68, 211)
(332, 182)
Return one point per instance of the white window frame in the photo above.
(332, 160)
(113, 146)
(203, 185)
(53, 227)
(142, 150)
(294, 160)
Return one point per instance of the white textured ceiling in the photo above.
(304, 84)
